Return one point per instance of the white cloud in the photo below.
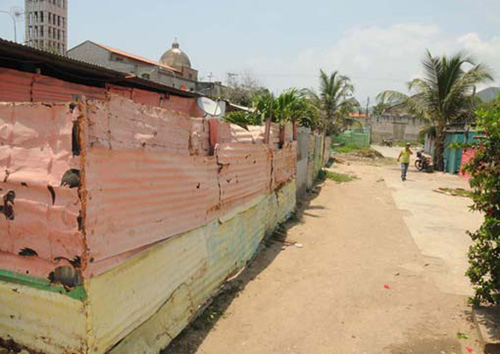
(375, 57)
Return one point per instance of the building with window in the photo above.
(174, 68)
(47, 25)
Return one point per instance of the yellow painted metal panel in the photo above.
(44, 321)
(155, 295)
(123, 298)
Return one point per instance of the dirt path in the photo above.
(362, 282)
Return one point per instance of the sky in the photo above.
(282, 44)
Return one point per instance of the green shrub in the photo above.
(484, 254)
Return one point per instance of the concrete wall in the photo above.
(398, 128)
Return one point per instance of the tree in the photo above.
(484, 254)
(442, 95)
(290, 105)
(241, 88)
(335, 100)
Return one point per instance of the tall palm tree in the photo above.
(442, 95)
(335, 98)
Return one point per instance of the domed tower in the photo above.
(177, 59)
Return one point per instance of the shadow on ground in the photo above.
(193, 336)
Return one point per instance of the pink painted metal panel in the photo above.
(245, 172)
(274, 138)
(146, 179)
(136, 198)
(284, 164)
(36, 151)
(122, 124)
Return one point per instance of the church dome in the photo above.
(175, 57)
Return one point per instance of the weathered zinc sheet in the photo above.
(35, 153)
(43, 321)
(284, 164)
(16, 86)
(176, 277)
(245, 172)
(144, 184)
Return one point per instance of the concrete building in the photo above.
(397, 127)
(47, 25)
(174, 68)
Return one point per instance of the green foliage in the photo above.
(242, 118)
(484, 254)
(291, 105)
(348, 148)
(335, 176)
(443, 95)
(335, 101)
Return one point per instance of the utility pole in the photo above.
(230, 78)
(210, 77)
(367, 107)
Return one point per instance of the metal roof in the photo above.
(136, 57)
(24, 58)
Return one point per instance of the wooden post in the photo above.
(213, 129)
(294, 130)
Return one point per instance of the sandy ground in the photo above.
(379, 269)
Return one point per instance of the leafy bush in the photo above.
(484, 254)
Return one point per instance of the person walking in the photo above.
(404, 157)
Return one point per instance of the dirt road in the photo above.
(378, 269)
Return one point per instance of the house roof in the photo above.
(136, 57)
(24, 58)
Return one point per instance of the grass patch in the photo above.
(335, 176)
(456, 192)
(348, 148)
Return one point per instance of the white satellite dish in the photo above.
(210, 107)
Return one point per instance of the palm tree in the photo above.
(442, 95)
(335, 99)
(290, 105)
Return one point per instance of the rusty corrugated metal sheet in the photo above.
(245, 172)
(47, 89)
(176, 277)
(141, 160)
(284, 164)
(15, 86)
(35, 152)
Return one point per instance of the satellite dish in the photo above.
(210, 107)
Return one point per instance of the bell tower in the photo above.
(47, 25)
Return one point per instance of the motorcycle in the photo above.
(387, 142)
(423, 162)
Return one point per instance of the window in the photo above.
(146, 76)
(59, 20)
(41, 16)
(119, 59)
(50, 17)
(50, 32)
(41, 31)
